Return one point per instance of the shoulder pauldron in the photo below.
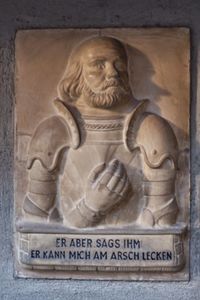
(154, 137)
(52, 136)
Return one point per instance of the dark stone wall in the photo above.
(27, 14)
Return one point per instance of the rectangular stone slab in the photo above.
(113, 243)
(102, 252)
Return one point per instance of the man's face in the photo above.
(105, 75)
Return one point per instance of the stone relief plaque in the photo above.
(102, 153)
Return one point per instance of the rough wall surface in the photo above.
(25, 14)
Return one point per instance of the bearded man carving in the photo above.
(103, 159)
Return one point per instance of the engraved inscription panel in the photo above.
(100, 252)
(102, 147)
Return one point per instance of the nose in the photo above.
(111, 72)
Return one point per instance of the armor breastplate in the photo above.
(101, 141)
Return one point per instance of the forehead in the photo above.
(102, 50)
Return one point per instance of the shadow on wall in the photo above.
(140, 65)
(141, 72)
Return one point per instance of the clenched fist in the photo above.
(107, 186)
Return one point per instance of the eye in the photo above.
(100, 64)
(120, 65)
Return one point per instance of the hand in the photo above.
(107, 186)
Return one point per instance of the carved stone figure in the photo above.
(88, 162)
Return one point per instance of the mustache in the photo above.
(115, 83)
(111, 83)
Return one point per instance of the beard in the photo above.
(112, 93)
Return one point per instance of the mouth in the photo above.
(113, 84)
(111, 87)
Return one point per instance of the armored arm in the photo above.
(159, 150)
(50, 138)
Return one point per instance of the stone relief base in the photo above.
(104, 253)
